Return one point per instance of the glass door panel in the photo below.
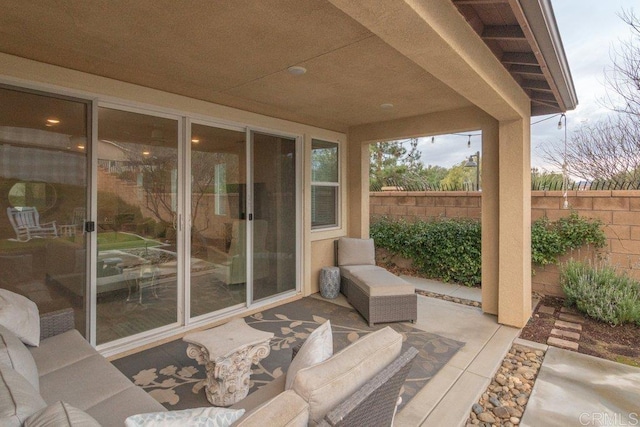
(218, 230)
(274, 213)
(137, 223)
(43, 199)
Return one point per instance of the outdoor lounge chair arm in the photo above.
(56, 322)
(374, 404)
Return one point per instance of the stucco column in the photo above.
(514, 282)
(490, 217)
(358, 185)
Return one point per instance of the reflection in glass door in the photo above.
(274, 215)
(43, 199)
(137, 223)
(218, 264)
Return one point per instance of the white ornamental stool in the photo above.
(227, 352)
(330, 282)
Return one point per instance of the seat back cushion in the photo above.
(328, 383)
(15, 354)
(356, 251)
(18, 398)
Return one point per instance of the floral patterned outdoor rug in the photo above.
(177, 381)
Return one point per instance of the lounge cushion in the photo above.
(15, 354)
(20, 315)
(356, 252)
(328, 383)
(61, 414)
(377, 282)
(316, 348)
(285, 410)
(18, 398)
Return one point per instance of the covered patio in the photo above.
(350, 73)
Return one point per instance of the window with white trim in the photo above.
(325, 184)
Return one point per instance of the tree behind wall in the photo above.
(392, 161)
(609, 150)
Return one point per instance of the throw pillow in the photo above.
(15, 354)
(20, 315)
(18, 398)
(200, 417)
(61, 414)
(317, 348)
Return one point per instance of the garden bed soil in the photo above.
(619, 343)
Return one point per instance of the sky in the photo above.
(589, 29)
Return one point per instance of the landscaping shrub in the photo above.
(446, 249)
(450, 249)
(601, 293)
(549, 239)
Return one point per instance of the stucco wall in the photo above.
(619, 211)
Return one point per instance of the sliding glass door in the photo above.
(218, 264)
(137, 223)
(44, 141)
(274, 225)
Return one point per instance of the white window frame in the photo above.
(337, 185)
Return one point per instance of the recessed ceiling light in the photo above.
(296, 70)
(146, 152)
(386, 106)
(80, 147)
(195, 140)
(53, 121)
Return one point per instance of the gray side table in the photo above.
(329, 282)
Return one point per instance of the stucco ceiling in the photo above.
(234, 53)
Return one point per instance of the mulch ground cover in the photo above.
(619, 343)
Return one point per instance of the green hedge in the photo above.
(551, 239)
(446, 249)
(450, 249)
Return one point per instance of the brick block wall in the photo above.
(619, 211)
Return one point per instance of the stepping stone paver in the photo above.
(571, 318)
(559, 342)
(568, 325)
(565, 334)
(546, 309)
(569, 310)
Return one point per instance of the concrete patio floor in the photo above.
(447, 398)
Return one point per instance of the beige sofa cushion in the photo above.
(356, 251)
(15, 354)
(328, 383)
(18, 398)
(74, 372)
(286, 410)
(377, 282)
(61, 414)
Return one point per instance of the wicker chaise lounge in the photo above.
(377, 294)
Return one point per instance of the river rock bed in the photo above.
(504, 401)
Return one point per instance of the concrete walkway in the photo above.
(574, 389)
(446, 400)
